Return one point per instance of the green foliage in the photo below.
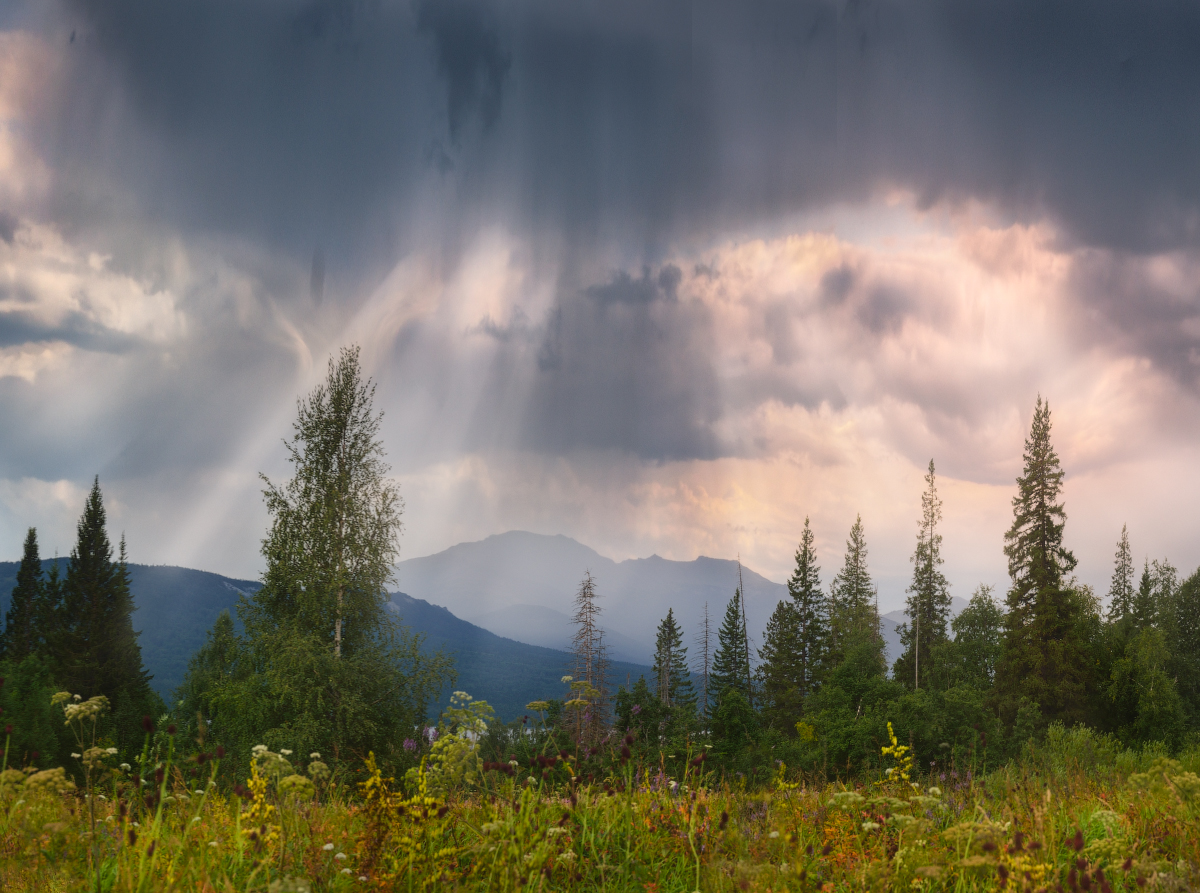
(970, 658)
(794, 645)
(28, 616)
(854, 609)
(93, 647)
(1182, 629)
(1121, 591)
(454, 760)
(321, 666)
(1145, 701)
(731, 660)
(37, 727)
(1045, 657)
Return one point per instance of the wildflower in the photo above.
(935, 792)
(1077, 842)
(774, 835)
(171, 730)
(637, 708)
(314, 756)
(286, 753)
(212, 843)
(147, 724)
(341, 857)
(125, 767)
(75, 756)
(8, 730)
(567, 679)
(220, 752)
(328, 847)
(870, 826)
(410, 745)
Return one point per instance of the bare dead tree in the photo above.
(590, 665)
(704, 659)
(746, 634)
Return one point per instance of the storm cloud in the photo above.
(683, 260)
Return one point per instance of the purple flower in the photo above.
(637, 708)
(431, 734)
(410, 745)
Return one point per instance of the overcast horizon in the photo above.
(663, 278)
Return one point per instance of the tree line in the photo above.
(966, 691)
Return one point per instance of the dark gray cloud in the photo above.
(634, 124)
(1122, 303)
(8, 226)
(605, 136)
(626, 366)
(74, 328)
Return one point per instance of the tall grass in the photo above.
(1075, 813)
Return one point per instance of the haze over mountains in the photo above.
(522, 585)
(502, 605)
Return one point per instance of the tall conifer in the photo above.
(795, 641)
(1044, 660)
(928, 604)
(854, 607)
(97, 652)
(22, 634)
(731, 659)
(1120, 591)
(671, 666)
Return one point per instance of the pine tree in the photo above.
(1182, 629)
(780, 669)
(1145, 610)
(1121, 591)
(1044, 660)
(674, 681)
(795, 641)
(812, 615)
(928, 604)
(854, 607)
(22, 634)
(97, 651)
(731, 659)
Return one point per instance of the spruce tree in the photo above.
(97, 650)
(1044, 661)
(1182, 630)
(731, 659)
(780, 670)
(1145, 607)
(812, 615)
(795, 641)
(1121, 591)
(854, 609)
(928, 603)
(674, 681)
(22, 634)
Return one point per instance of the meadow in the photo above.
(1075, 812)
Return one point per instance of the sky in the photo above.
(667, 278)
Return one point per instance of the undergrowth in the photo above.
(1073, 814)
